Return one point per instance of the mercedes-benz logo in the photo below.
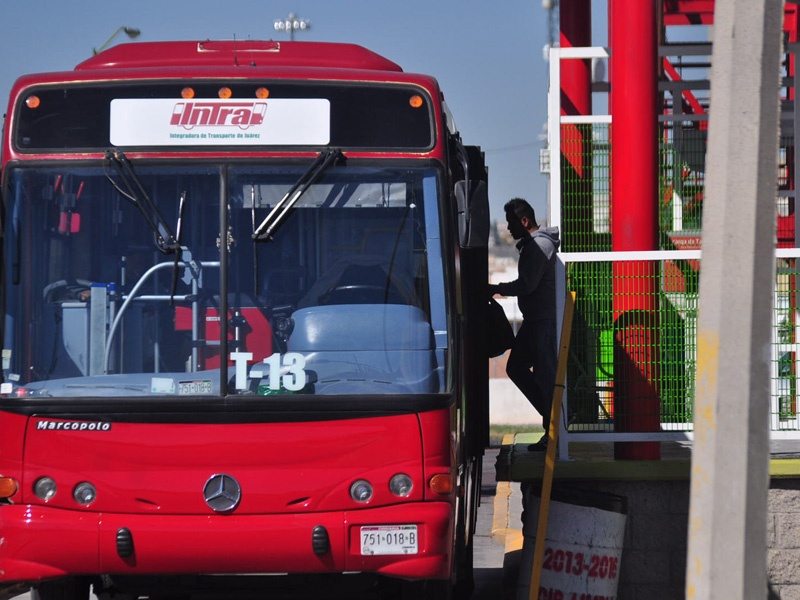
(222, 493)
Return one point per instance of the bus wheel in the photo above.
(430, 589)
(465, 583)
(71, 588)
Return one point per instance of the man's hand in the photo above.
(493, 290)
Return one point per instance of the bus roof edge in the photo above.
(241, 53)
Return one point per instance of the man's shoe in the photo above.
(540, 446)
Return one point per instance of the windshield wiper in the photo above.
(179, 252)
(166, 241)
(171, 244)
(324, 160)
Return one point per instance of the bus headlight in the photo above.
(84, 493)
(401, 485)
(361, 491)
(45, 488)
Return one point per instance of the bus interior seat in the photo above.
(364, 345)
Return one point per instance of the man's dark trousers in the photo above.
(535, 346)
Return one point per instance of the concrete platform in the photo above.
(653, 564)
(595, 461)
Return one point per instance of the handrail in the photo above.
(132, 296)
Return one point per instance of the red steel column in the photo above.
(634, 214)
(576, 99)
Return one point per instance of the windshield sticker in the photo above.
(283, 371)
(73, 425)
(214, 122)
(6, 359)
(162, 385)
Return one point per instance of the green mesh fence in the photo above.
(647, 325)
(610, 327)
(586, 188)
(633, 351)
(682, 154)
(785, 349)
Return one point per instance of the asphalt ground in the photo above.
(498, 537)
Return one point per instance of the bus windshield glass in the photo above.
(151, 281)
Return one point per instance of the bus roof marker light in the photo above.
(187, 93)
(32, 101)
(415, 101)
(262, 93)
(8, 487)
(225, 93)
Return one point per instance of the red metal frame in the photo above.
(688, 12)
(688, 96)
(634, 31)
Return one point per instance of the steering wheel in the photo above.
(66, 289)
(356, 293)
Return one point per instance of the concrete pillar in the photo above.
(634, 221)
(730, 458)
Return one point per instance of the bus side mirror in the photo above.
(473, 214)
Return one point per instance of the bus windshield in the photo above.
(152, 282)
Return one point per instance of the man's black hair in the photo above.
(521, 208)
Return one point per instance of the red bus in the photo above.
(243, 291)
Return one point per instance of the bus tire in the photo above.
(70, 588)
(465, 582)
(464, 555)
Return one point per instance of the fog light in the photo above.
(84, 493)
(44, 488)
(361, 491)
(401, 485)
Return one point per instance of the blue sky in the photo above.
(487, 56)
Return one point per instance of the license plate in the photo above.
(389, 539)
(193, 388)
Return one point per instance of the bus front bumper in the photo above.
(39, 542)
